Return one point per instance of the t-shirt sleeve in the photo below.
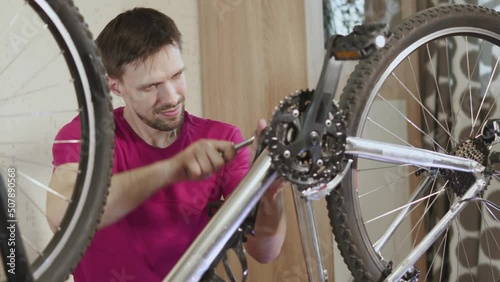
(66, 147)
(237, 168)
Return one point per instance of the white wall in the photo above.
(98, 13)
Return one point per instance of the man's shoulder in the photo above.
(211, 124)
(72, 128)
(211, 129)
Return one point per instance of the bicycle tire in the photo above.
(68, 29)
(345, 210)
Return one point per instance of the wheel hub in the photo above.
(472, 149)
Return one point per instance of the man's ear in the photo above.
(115, 86)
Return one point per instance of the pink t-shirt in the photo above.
(146, 244)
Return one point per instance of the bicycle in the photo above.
(305, 144)
(340, 150)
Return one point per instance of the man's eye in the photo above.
(177, 75)
(149, 88)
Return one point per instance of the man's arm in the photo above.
(129, 189)
(270, 226)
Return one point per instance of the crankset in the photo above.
(307, 135)
(306, 158)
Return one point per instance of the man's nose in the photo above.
(167, 94)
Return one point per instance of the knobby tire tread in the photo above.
(87, 224)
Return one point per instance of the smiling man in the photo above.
(168, 165)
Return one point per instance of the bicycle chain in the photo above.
(285, 124)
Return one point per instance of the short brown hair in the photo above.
(135, 35)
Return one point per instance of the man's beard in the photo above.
(162, 125)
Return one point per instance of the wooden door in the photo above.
(253, 54)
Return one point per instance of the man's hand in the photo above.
(277, 186)
(270, 225)
(202, 158)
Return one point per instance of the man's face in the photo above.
(155, 89)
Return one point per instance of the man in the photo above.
(168, 164)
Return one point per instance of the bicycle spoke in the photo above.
(38, 90)
(39, 71)
(429, 271)
(487, 202)
(408, 234)
(4, 167)
(388, 131)
(461, 243)
(38, 114)
(383, 167)
(425, 109)
(488, 247)
(4, 69)
(459, 109)
(455, 222)
(444, 245)
(486, 92)
(497, 177)
(383, 239)
(449, 142)
(419, 222)
(16, 143)
(497, 208)
(414, 76)
(428, 206)
(12, 21)
(404, 206)
(19, 160)
(411, 122)
(424, 116)
(43, 186)
(387, 184)
(40, 253)
(436, 84)
(469, 83)
(37, 207)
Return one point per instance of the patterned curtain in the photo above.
(467, 247)
(340, 16)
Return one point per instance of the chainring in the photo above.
(286, 123)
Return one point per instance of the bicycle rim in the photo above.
(431, 87)
(50, 72)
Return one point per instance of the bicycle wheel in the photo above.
(433, 86)
(50, 73)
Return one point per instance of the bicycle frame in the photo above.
(211, 241)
